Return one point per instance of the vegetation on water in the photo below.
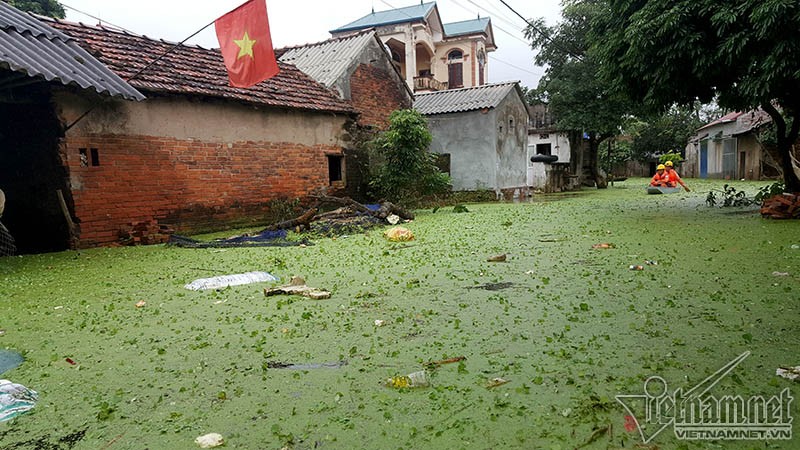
(567, 326)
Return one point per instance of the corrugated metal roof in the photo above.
(197, 71)
(32, 48)
(327, 61)
(464, 99)
(466, 27)
(399, 15)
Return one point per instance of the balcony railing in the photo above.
(428, 83)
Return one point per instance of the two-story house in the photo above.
(431, 55)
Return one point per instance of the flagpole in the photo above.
(139, 72)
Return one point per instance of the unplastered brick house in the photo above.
(195, 155)
(360, 70)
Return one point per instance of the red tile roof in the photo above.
(193, 70)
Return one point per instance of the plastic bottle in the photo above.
(412, 380)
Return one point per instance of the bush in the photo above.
(404, 171)
(676, 158)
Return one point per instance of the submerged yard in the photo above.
(567, 325)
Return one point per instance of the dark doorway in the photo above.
(31, 172)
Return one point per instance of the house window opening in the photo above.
(334, 168)
(84, 157)
(95, 157)
(543, 149)
(455, 55)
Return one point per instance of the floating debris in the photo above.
(209, 440)
(493, 286)
(790, 373)
(309, 366)
(297, 286)
(494, 382)
(202, 284)
(497, 258)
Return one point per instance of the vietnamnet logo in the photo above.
(695, 414)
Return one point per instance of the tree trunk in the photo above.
(598, 175)
(786, 139)
(576, 155)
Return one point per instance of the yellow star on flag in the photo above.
(245, 46)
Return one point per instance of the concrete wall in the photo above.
(512, 137)
(487, 149)
(470, 139)
(559, 145)
(194, 165)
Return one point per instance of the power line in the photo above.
(541, 33)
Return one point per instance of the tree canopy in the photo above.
(50, 8)
(745, 53)
(580, 100)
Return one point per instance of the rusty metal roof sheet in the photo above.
(329, 60)
(197, 71)
(33, 49)
(464, 99)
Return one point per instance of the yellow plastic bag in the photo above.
(399, 234)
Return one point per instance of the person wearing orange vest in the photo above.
(673, 179)
(660, 178)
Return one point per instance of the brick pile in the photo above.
(148, 232)
(782, 206)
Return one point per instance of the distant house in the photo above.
(728, 148)
(545, 139)
(360, 69)
(196, 155)
(483, 132)
(430, 54)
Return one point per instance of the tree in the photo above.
(663, 133)
(581, 101)
(405, 170)
(50, 8)
(744, 52)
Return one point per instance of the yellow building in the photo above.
(431, 55)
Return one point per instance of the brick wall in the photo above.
(375, 93)
(194, 186)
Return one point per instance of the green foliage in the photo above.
(616, 158)
(728, 196)
(405, 170)
(662, 53)
(662, 133)
(50, 8)
(460, 209)
(768, 191)
(578, 97)
(676, 158)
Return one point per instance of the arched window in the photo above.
(455, 69)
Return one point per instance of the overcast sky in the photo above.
(294, 22)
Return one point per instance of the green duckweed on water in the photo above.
(568, 326)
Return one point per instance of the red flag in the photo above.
(246, 44)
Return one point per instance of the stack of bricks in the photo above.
(145, 233)
(782, 206)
